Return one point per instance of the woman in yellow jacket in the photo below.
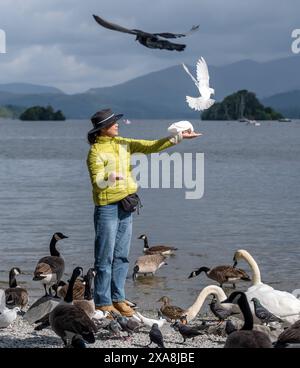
(110, 172)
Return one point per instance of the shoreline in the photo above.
(21, 334)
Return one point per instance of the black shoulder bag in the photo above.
(131, 203)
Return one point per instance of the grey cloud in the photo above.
(58, 42)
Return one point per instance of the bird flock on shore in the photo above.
(68, 307)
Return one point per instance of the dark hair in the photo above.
(92, 137)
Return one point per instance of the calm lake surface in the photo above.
(251, 200)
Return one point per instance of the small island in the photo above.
(36, 113)
(240, 105)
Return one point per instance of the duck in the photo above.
(223, 274)
(282, 304)
(246, 337)
(157, 249)
(68, 320)
(7, 316)
(148, 264)
(172, 312)
(50, 269)
(15, 295)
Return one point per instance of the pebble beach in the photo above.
(21, 334)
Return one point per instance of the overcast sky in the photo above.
(58, 43)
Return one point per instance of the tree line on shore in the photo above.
(34, 113)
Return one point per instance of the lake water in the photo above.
(251, 200)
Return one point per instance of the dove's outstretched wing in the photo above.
(114, 27)
(176, 35)
(199, 104)
(202, 73)
(194, 79)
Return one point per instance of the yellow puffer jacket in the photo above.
(112, 155)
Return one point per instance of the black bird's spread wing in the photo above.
(176, 35)
(113, 26)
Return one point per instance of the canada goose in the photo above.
(281, 303)
(187, 332)
(67, 320)
(246, 337)
(7, 316)
(39, 311)
(156, 336)
(78, 342)
(15, 295)
(87, 304)
(170, 311)
(263, 314)
(223, 274)
(148, 264)
(290, 335)
(230, 327)
(50, 269)
(78, 289)
(156, 249)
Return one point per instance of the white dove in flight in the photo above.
(202, 83)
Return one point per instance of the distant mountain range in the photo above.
(287, 103)
(162, 94)
(27, 89)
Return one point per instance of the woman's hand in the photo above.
(188, 134)
(113, 176)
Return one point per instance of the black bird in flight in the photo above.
(151, 40)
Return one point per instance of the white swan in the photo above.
(281, 303)
(7, 316)
(149, 321)
(194, 309)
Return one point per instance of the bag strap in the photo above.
(139, 205)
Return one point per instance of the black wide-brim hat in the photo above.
(103, 118)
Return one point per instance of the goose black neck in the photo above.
(247, 314)
(12, 280)
(87, 290)
(69, 296)
(202, 269)
(146, 245)
(53, 250)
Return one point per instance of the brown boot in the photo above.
(124, 309)
(108, 308)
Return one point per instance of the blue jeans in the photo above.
(113, 227)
